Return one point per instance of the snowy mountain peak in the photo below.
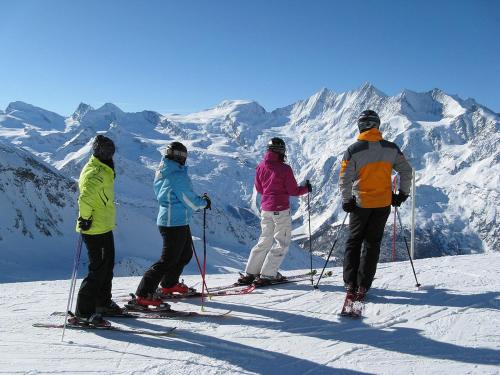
(242, 106)
(31, 115)
(316, 105)
(430, 105)
(25, 107)
(19, 106)
(231, 110)
(323, 96)
(369, 89)
(81, 111)
(109, 108)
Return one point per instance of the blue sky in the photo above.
(183, 56)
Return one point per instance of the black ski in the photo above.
(91, 327)
(161, 314)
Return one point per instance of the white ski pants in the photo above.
(269, 252)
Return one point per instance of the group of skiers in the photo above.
(366, 189)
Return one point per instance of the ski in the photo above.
(357, 309)
(358, 306)
(234, 291)
(353, 307)
(152, 314)
(90, 327)
(293, 279)
(348, 304)
(162, 314)
(237, 285)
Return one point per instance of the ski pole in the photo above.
(406, 244)
(331, 250)
(394, 225)
(310, 244)
(204, 258)
(199, 265)
(76, 262)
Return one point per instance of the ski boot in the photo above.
(150, 303)
(95, 320)
(245, 279)
(111, 309)
(266, 280)
(179, 288)
(361, 293)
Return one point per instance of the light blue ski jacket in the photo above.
(174, 191)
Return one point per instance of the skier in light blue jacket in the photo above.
(174, 191)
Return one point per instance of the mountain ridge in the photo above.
(452, 143)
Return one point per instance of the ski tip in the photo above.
(350, 315)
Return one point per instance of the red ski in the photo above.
(234, 291)
(347, 308)
(354, 305)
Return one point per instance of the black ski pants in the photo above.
(176, 253)
(95, 290)
(366, 226)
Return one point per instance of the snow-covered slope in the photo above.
(453, 144)
(38, 207)
(450, 326)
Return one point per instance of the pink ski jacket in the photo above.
(274, 180)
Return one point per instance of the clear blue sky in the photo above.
(182, 56)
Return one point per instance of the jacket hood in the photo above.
(95, 161)
(372, 135)
(271, 156)
(170, 166)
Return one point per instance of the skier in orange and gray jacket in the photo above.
(366, 188)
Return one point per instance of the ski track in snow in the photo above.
(449, 326)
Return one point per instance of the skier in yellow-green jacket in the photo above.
(96, 220)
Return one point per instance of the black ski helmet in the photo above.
(367, 120)
(277, 145)
(103, 147)
(176, 151)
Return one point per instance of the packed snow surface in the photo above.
(449, 326)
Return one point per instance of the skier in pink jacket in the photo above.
(274, 180)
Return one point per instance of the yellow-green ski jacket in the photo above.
(97, 196)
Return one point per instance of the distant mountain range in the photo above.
(452, 143)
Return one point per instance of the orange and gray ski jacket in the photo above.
(366, 169)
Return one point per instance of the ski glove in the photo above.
(209, 202)
(309, 186)
(398, 198)
(350, 205)
(84, 224)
